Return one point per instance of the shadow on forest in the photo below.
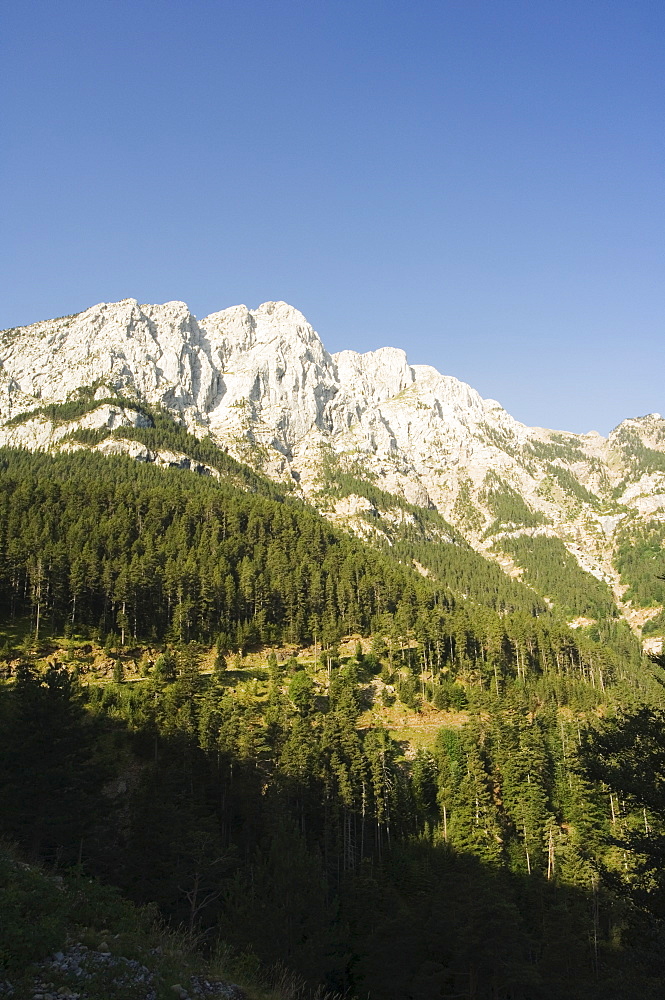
(227, 844)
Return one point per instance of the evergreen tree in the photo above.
(52, 776)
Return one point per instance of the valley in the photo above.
(321, 661)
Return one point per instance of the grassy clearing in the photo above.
(95, 664)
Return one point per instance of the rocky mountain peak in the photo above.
(272, 321)
(376, 375)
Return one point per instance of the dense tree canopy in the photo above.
(270, 800)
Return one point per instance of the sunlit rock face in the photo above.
(259, 374)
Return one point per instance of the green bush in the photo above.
(33, 914)
(448, 695)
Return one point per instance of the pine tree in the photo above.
(51, 778)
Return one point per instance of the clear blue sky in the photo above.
(480, 182)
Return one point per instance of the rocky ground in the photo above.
(81, 973)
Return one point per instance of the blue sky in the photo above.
(480, 182)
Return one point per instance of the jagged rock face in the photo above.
(260, 375)
(263, 385)
(158, 351)
(275, 380)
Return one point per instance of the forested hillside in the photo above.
(300, 745)
(399, 454)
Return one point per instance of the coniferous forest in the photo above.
(291, 742)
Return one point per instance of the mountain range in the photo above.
(363, 437)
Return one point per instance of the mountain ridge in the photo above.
(261, 384)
